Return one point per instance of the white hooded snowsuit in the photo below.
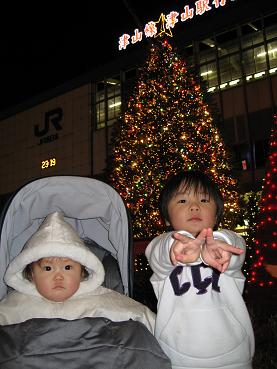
(202, 321)
(55, 237)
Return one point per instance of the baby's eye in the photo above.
(182, 201)
(68, 267)
(47, 268)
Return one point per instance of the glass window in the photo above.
(260, 58)
(229, 68)
(108, 96)
(207, 50)
(100, 114)
(272, 53)
(252, 34)
(100, 91)
(208, 73)
(225, 74)
(270, 24)
(235, 69)
(227, 42)
(114, 105)
(189, 54)
(248, 62)
(190, 61)
(113, 86)
(254, 61)
(254, 58)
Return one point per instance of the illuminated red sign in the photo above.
(166, 22)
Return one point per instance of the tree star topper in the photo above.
(163, 27)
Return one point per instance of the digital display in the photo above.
(52, 162)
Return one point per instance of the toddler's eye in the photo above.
(68, 267)
(182, 201)
(205, 200)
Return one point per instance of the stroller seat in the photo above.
(92, 207)
(112, 273)
(99, 216)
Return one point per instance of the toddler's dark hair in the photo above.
(186, 180)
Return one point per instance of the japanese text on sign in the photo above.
(166, 22)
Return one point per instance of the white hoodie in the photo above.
(55, 237)
(202, 321)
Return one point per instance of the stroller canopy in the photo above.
(92, 207)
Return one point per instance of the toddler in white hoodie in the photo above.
(202, 321)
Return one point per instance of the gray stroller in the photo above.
(92, 207)
(98, 214)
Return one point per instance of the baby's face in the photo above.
(56, 279)
(192, 211)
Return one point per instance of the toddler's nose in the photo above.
(194, 206)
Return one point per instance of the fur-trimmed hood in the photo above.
(55, 237)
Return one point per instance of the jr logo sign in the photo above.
(53, 117)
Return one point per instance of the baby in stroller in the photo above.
(56, 276)
(58, 267)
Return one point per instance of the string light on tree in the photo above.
(264, 268)
(167, 127)
(247, 223)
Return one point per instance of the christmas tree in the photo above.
(249, 205)
(263, 271)
(167, 127)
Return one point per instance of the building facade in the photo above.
(67, 131)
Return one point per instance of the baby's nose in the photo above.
(58, 276)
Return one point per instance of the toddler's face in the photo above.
(191, 210)
(56, 278)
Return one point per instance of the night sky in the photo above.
(46, 43)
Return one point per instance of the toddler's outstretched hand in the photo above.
(217, 253)
(185, 249)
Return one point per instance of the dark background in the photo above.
(45, 43)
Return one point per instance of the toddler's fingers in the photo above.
(201, 238)
(180, 237)
(217, 254)
(215, 264)
(232, 249)
(179, 257)
(209, 234)
(173, 258)
(225, 266)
